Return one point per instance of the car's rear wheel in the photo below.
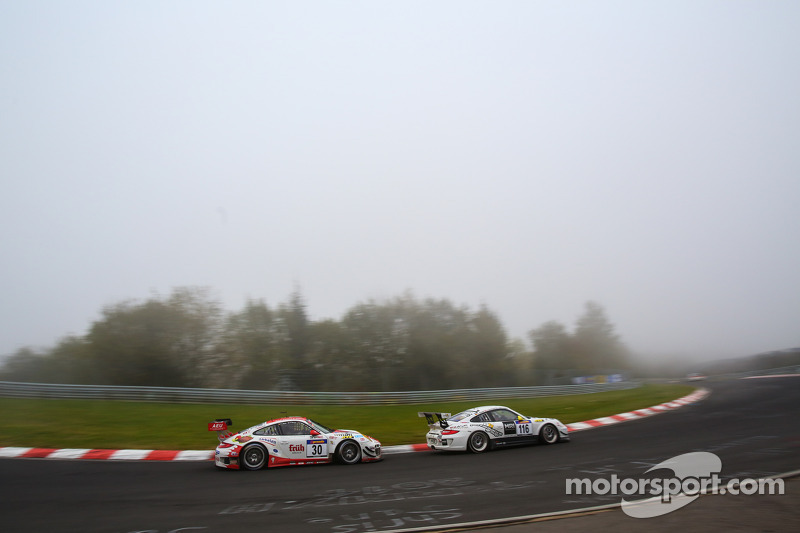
(478, 442)
(548, 434)
(348, 453)
(254, 457)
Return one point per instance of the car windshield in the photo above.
(319, 427)
(462, 415)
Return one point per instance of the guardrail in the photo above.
(792, 369)
(222, 396)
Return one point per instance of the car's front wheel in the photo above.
(348, 453)
(548, 434)
(478, 442)
(254, 457)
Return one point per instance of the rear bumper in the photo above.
(227, 458)
(435, 441)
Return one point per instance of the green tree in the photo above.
(195, 327)
(168, 342)
(486, 352)
(292, 326)
(71, 362)
(251, 348)
(598, 347)
(553, 349)
(130, 345)
(335, 364)
(378, 341)
(25, 365)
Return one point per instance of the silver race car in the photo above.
(483, 428)
(290, 441)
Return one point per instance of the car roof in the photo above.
(484, 408)
(288, 419)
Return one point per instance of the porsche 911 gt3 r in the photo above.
(290, 441)
(483, 428)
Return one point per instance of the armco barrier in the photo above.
(10, 389)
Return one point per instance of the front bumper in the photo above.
(371, 452)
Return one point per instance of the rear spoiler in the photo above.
(434, 418)
(220, 425)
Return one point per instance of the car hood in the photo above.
(350, 434)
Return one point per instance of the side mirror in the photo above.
(314, 433)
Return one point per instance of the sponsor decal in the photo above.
(242, 439)
(296, 448)
(317, 448)
(492, 431)
(217, 426)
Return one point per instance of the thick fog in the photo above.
(529, 156)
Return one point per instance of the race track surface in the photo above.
(752, 425)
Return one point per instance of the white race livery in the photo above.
(483, 428)
(290, 441)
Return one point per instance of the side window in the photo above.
(503, 415)
(295, 428)
(269, 430)
(483, 417)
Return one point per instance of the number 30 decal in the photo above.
(316, 448)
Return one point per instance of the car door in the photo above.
(516, 428)
(296, 442)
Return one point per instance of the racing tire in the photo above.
(548, 434)
(478, 442)
(254, 457)
(348, 453)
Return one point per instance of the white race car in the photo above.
(290, 441)
(483, 428)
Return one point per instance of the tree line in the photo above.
(186, 340)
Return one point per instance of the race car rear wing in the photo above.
(220, 425)
(435, 419)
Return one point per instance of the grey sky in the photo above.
(526, 155)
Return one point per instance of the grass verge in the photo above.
(100, 424)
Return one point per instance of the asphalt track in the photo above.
(752, 425)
